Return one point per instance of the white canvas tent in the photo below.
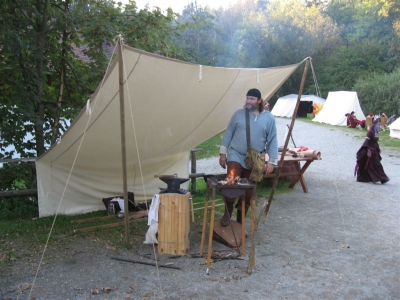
(395, 129)
(170, 107)
(284, 106)
(337, 104)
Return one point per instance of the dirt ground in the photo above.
(341, 240)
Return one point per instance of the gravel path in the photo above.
(341, 240)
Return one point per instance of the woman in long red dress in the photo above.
(369, 167)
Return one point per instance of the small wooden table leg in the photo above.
(203, 232)
(253, 230)
(191, 207)
(243, 227)
(211, 231)
(300, 176)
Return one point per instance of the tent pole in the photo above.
(303, 79)
(264, 211)
(123, 145)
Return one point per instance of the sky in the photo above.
(178, 5)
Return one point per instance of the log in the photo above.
(134, 215)
(18, 193)
(111, 225)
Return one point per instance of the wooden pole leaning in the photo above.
(203, 232)
(210, 233)
(264, 211)
(123, 145)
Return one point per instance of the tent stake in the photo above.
(264, 211)
(123, 145)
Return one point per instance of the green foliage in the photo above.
(18, 208)
(347, 64)
(53, 58)
(380, 93)
(14, 176)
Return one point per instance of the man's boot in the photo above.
(228, 213)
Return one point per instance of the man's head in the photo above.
(253, 100)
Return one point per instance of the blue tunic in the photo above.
(262, 136)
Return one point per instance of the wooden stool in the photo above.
(212, 184)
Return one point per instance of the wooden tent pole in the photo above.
(264, 211)
(303, 79)
(123, 145)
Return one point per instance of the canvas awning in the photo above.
(170, 108)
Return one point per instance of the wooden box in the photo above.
(383, 122)
(368, 122)
(174, 223)
(288, 167)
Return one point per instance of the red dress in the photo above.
(369, 167)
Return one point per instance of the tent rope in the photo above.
(337, 159)
(139, 161)
(317, 91)
(68, 179)
(339, 169)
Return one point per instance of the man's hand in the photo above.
(222, 160)
(269, 168)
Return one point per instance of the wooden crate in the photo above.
(368, 122)
(174, 224)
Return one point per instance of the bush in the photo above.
(15, 176)
(380, 93)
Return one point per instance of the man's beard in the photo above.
(251, 107)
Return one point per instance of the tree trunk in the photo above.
(41, 30)
(62, 77)
(18, 193)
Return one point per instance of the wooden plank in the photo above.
(187, 227)
(174, 221)
(161, 222)
(169, 226)
(180, 224)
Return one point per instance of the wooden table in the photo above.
(213, 186)
(299, 169)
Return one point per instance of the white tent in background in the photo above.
(395, 129)
(170, 107)
(337, 104)
(284, 106)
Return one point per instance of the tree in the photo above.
(198, 39)
(380, 93)
(53, 57)
(286, 33)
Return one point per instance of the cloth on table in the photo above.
(305, 152)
